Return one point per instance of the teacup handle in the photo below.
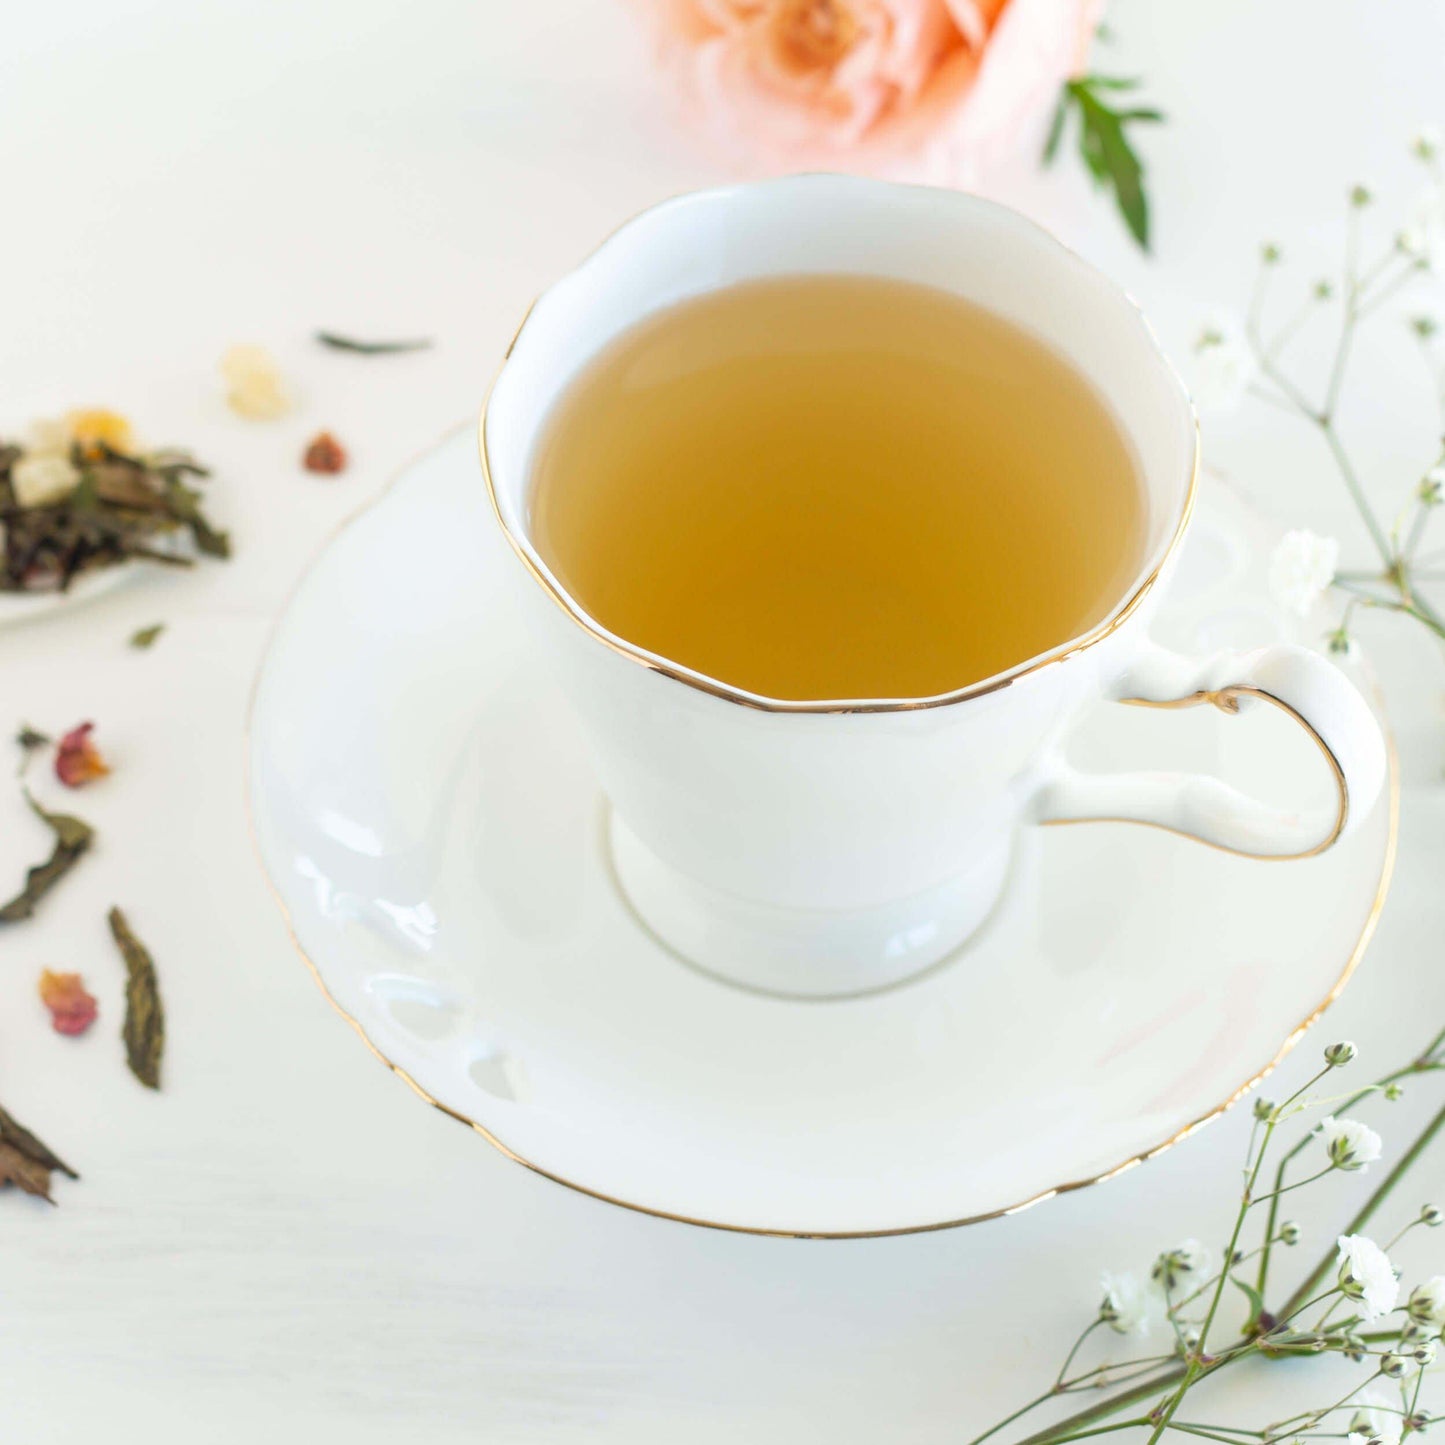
(1307, 686)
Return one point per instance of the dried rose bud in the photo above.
(72, 1009)
(77, 761)
(324, 454)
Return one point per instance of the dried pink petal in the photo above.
(72, 1008)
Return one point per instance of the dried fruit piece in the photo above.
(144, 1030)
(325, 454)
(72, 838)
(77, 760)
(26, 1162)
(40, 479)
(254, 388)
(72, 1008)
(96, 431)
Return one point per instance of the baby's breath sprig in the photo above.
(1239, 359)
(1349, 1304)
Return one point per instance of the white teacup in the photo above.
(837, 845)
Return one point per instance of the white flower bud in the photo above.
(1426, 1304)
(1340, 1054)
(1263, 1108)
(1432, 1215)
(1176, 1265)
(1349, 1143)
(1377, 1417)
(1367, 1276)
(1301, 567)
(1126, 1305)
(1225, 364)
(1424, 1354)
(1393, 1366)
(1290, 1232)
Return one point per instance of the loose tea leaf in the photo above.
(144, 1030)
(88, 504)
(370, 348)
(16, 1169)
(144, 637)
(72, 1007)
(26, 1162)
(72, 838)
(29, 742)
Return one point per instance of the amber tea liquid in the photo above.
(829, 487)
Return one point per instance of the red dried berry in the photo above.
(325, 454)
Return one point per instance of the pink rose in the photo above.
(928, 89)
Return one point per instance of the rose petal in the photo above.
(72, 1008)
(77, 760)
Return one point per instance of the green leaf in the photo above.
(1112, 162)
(1056, 126)
(1104, 145)
(1256, 1300)
(144, 637)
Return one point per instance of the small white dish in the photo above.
(23, 606)
(429, 821)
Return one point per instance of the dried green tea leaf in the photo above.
(19, 1137)
(183, 504)
(72, 838)
(144, 1030)
(144, 637)
(26, 1162)
(29, 741)
(369, 348)
(97, 505)
(25, 1173)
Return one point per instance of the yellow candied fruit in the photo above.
(94, 427)
(254, 387)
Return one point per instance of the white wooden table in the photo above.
(284, 1240)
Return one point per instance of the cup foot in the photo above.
(802, 952)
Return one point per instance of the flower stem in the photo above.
(1069, 1358)
(1069, 1428)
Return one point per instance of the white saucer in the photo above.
(426, 813)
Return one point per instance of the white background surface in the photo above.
(285, 1240)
